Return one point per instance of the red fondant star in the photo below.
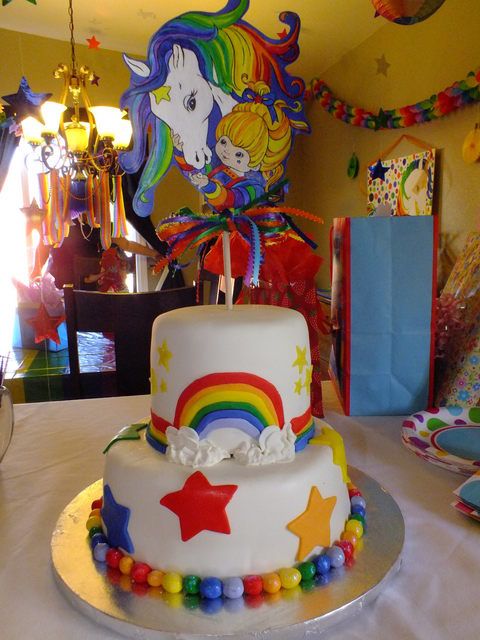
(45, 326)
(283, 34)
(200, 506)
(93, 43)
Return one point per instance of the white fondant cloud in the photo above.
(273, 445)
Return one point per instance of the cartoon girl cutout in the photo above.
(253, 142)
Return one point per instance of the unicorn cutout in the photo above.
(199, 68)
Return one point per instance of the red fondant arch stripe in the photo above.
(215, 380)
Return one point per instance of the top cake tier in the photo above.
(238, 380)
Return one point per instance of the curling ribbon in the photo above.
(90, 203)
(104, 211)
(119, 216)
(187, 229)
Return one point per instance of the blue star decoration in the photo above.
(378, 171)
(25, 102)
(115, 517)
(132, 432)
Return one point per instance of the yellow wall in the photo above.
(424, 59)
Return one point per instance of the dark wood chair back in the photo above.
(129, 317)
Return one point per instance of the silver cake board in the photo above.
(288, 614)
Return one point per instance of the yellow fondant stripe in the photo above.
(330, 438)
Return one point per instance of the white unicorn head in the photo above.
(184, 102)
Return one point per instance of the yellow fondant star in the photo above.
(162, 93)
(298, 386)
(153, 381)
(308, 377)
(301, 360)
(330, 438)
(313, 525)
(164, 355)
(163, 386)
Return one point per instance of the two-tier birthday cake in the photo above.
(231, 485)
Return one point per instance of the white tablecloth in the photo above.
(56, 452)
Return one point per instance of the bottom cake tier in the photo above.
(224, 520)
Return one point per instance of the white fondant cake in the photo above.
(266, 500)
(226, 384)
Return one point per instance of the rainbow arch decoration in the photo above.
(240, 400)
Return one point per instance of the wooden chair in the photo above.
(129, 317)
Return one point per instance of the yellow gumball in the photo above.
(290, 577)
(125, 565)
(94, 512)
(271, 582)
(154, 578)
(94, 521)
(356, 527)
(172, 582)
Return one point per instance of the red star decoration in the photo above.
(95, 80)
(93, 43)
(283, 34)
(200, 506)
(45, 326)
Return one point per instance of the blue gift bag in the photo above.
(383, 302)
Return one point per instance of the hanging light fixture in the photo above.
(77, 146)
(77, 157)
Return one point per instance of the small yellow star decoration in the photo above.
(164, 355)
(301, 363)
(301, 360)
(153, 381)
(313, 525)
(163, 386)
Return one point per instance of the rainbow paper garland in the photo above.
(458, 95)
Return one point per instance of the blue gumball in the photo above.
(357, 508)
(211, 588)
(323, 564)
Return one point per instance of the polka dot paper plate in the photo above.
(448, 437)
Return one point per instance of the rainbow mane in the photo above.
(230, 53)
(243, 401)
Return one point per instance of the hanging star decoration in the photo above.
(378, 171)
(34, 215)
(25, 102)
(115, 517)
(382, 65)
(93, 43)
(164, 355)
(95, 80)
(313, 525)
(45, 326)
(132, 432)
(200, 506)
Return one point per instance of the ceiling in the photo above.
(329, 28)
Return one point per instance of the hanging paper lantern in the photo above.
(406, 12)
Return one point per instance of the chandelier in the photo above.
(75, 153)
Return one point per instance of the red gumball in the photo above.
(113, 558)
(97, 504)
(347, 548)
(139, 572)
(252, 585)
